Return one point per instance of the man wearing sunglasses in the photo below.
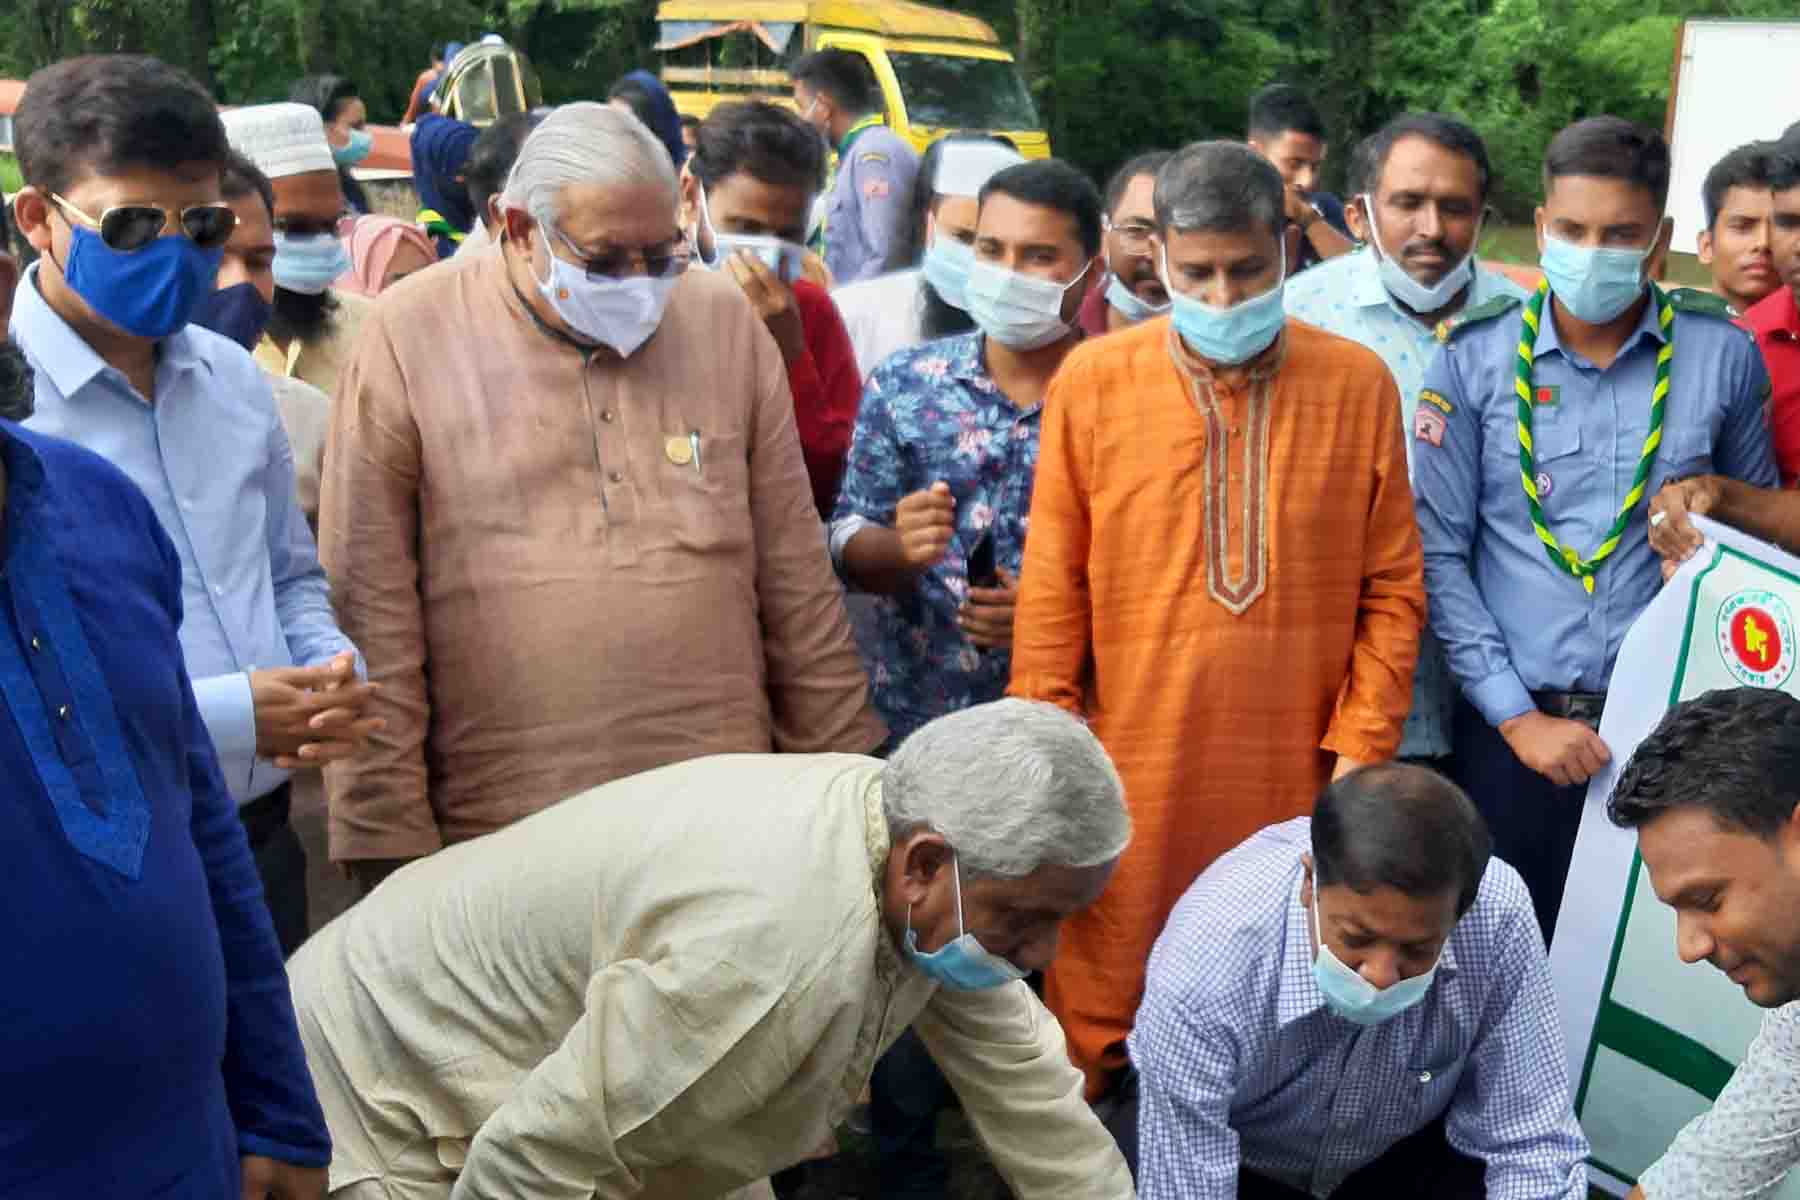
(148, 1046)
(122, 157)
(568, 518)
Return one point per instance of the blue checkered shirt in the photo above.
(1243, 1065)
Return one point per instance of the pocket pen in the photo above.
(694, 445)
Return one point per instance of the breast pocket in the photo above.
(707, 486)
(1685, 451)
(1428, 1088)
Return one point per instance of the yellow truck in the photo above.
(940, 71)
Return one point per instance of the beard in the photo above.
(17, 397)
(941, 318)
(301, 317)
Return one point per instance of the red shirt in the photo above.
(827, 388)
(1776, 323)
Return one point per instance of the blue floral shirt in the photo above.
(928, 414)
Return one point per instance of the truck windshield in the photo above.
(963, 93)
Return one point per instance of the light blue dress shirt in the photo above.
(212, 458)
(1243, 1065)
(1345, 296)
(1511, 621)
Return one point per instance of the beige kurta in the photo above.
(666, 988)
(322, 361)
(551, 588)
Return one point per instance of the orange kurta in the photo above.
(1228, 583)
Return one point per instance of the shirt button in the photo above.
(36, 643)
(1424, 1076)
(606, 415)
(616, 477)
(63, 712)
(218, 589)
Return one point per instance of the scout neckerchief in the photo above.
(1564, 557)
(857, 130)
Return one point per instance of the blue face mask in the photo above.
(238, 312)
(355, 150)
(149, 293)
(1594, 284)
(1228, 336)
(963, 965)
(1129, 305)
(308, 263)
(1354, 998)
(947, 266)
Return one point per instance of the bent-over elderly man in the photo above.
(567, 518)
(673, 985)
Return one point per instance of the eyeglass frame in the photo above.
(605, 268)
(99, 226)
(1143, 234)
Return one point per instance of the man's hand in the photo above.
(986, 616)
(309, 716)
(1299, 209)
(266, 1179)
(1345, 765)
(814, 270)
(773, 301)
(1672, 535)
(925, 521)
(367, 873)
(1565, 752)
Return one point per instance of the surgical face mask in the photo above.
(355, 150)
(238, 312)
(1128, 303)
(947, 265)
(787, 260)
(309, 263)
(621, 313)
(962, 965)
(1404, 287)
(1354, 998)
(1233, 335)
(1594, 284)
(1021, 312)
(149, 293)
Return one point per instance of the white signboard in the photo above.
(1652, 1041)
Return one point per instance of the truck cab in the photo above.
(939, 71)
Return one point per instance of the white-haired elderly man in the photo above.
(673, 985)
(567, 519)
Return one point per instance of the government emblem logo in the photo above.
(1756, 637)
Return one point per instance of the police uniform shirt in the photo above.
(868, 203)
(1511, 620)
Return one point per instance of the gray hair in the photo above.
(1220, 187)
(585, 143)
(1012, 786)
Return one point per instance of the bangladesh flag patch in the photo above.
(1546, 395)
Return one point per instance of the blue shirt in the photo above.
(214, 461)
(146, 1035)
(1242, 1064)
(1345, 296)
(867, 208)
(934, 413)
(1510, 620)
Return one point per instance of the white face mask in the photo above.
(1021, 312)
(1409, 291)
(787, 260)
(621, 313)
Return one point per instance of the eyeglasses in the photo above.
(1134, 238)
(131, 227)
(312, 226)
(660, 260)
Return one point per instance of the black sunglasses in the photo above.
(130, 227)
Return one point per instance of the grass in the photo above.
(10, 181)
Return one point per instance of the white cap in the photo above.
(281, 139)
(965, 166)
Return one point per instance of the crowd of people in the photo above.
(784, 624)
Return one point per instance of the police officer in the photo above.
(866, 211)
(1542, 430)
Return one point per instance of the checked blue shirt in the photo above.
(1243, 1065)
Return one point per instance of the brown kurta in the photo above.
(1228, 583)
(552, 592)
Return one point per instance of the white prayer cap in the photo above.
(281, 139)
(965, 166)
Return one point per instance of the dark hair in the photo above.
(637, 96)
(492, 156)
(1147, 163)
(327, 93)
(1745, 167)
(1220, 187)
(1283, 108)
(1611, 148)
(437, 52)
(1403, 827)
(843, 75)
(690, 121)
(1734, 752)
(767, 143)
(1361, 171)
(1445, 132)
(17, 396)
(240, 177)
(109, 112)
(1784, 166)
(1052, 183)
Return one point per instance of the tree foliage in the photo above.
(1110, 76)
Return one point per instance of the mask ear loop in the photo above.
(956, 882)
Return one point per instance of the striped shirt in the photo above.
(1244, 1066)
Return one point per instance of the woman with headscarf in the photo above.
(383, 251)
(440, 150)
(644, 96)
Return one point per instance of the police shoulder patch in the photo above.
(872, 156)
(1487, 310)
(1436, 399)
(1694, 300)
